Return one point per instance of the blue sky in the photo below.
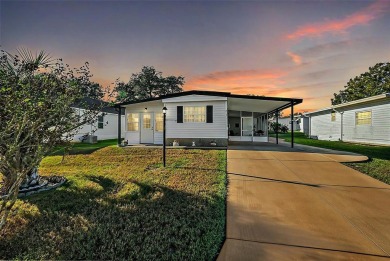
(306, 49)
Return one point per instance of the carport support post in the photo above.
(119, 126)
(292, 124)
(277, 127)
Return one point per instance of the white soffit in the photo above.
(255, 105)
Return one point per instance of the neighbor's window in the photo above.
(100, 122)
(132, 121)
(363, 118)
(333, 116)
(159, 122)
(195, 114)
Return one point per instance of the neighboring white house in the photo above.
(287, 122)
(106, 126)
(365, 121)
(203, 117)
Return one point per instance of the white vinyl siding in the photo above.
(216, 129)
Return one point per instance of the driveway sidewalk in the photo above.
(285, 204)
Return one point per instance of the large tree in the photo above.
(37, 95)
(374, 82)
(146, 84)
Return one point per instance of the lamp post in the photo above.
(164, 132)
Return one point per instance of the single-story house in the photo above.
(201, 118)
(364, 121)
(106, 126)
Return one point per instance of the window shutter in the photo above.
(209, 114)
(179, 114)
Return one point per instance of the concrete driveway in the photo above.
(286, 204)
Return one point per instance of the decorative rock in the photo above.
(45, 184)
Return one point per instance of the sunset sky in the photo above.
(305, 49)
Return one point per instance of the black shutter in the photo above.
(179, 114)
(209, 114)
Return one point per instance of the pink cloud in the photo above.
(361, 17)
(295, 58)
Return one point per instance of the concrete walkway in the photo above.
(286, 204)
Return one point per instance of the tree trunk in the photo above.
(8, 200)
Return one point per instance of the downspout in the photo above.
(341, 122)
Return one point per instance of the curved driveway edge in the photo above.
(285, 204)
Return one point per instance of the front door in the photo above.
(246, 128)
(147, 128)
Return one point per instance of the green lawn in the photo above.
(85, 148)
(119, 203)
(378, 167)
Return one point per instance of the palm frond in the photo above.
(40, 59)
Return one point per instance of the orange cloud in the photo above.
(364, 16)
(295, 58)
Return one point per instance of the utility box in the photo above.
(91, 139)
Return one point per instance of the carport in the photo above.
(248, 116)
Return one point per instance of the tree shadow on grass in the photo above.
(92, 223)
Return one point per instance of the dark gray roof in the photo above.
(89, 103)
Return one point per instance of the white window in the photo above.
(195, 114)
(132, 121)
(363, 118)
(333, 116)
(159, 121)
